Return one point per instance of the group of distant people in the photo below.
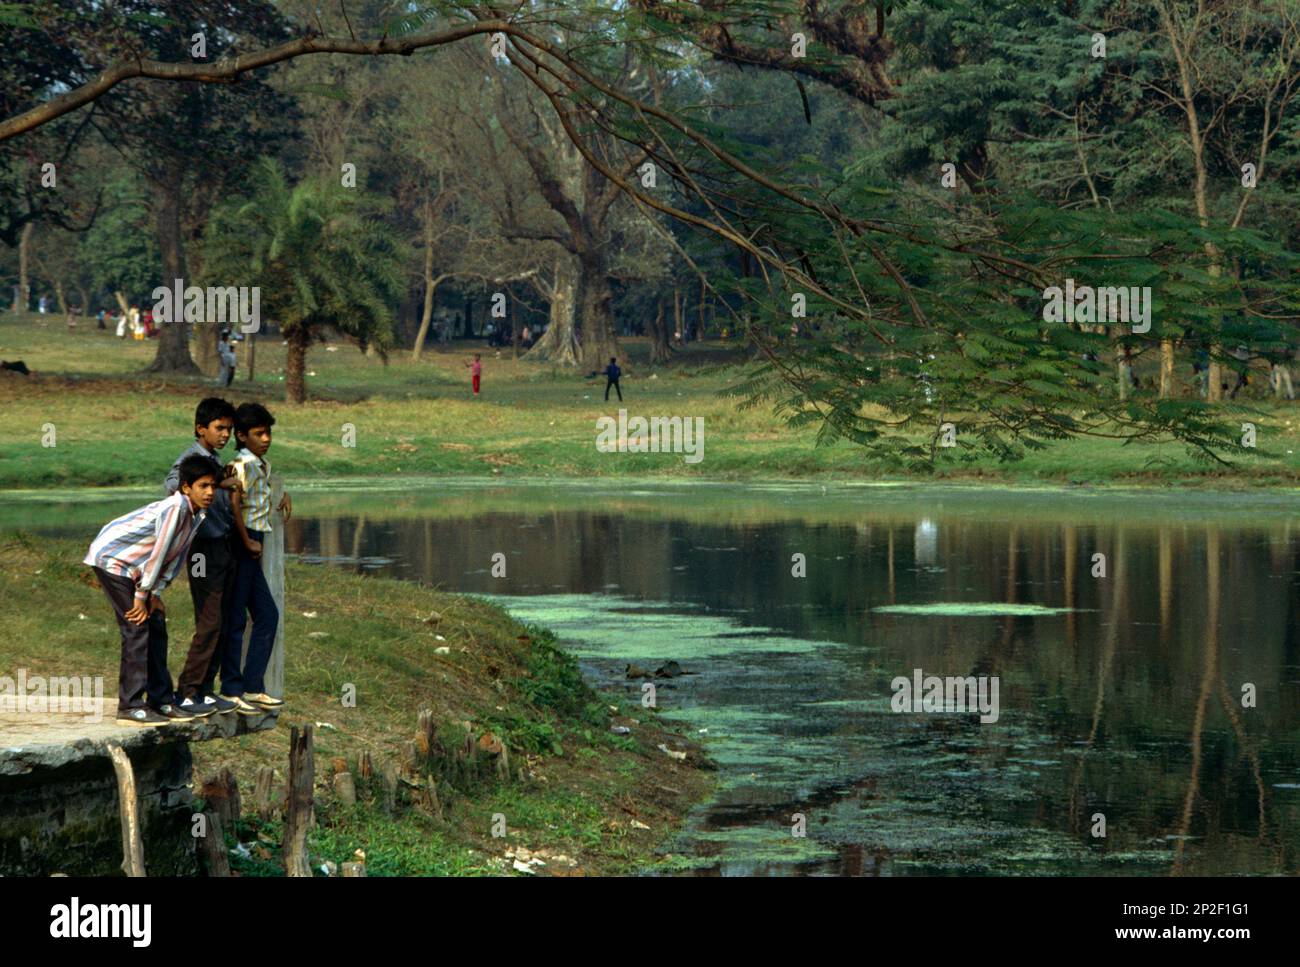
(133, 322)
(501, 336)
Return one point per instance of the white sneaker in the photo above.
(242, 707)
(262, 699)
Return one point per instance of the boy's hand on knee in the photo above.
(254, 548)
(138, 612)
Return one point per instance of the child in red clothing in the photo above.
(475, 372)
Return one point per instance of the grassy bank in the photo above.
(570, 791)
(111, 425)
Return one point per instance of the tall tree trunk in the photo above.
(677, 314)
(23, 297)
(173, 354)
(558, 344)
(429, 287)
(295, 365)
(1215, 375)
(660, 350)
(595, 314)
(1166, 368)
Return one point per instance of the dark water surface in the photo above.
(1120, 696)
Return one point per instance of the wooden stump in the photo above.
(354, 869)
(132, 843)
(262, 794)
(435, 804)
(413, 757)
(345, 788)
(221, 793)
(365, 767)
(426, 733)
(299, 813)
(389, 780)
(214, 845)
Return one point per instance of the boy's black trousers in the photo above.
(144, 648)
(209, 593)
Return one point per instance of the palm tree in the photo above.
(322, 258)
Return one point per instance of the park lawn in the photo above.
(112, 424)
(576, 787)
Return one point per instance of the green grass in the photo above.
(572, 783)
(113, 425)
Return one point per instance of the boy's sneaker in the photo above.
(141, 716)
(222, 705)
(262, 699)
(242, 707)
(200, 706)
(173, 713)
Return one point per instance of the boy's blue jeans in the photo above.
(249, 595)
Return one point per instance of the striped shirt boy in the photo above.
(255, 480)
(147, 545)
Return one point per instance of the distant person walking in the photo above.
(226, 353)
(612, 373)
(1242, 355)
(475, 373)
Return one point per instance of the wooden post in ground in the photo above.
(132, 844)
(389, 781)
(299, 814)
(214, 845)
(345, 786)
(426, 732)
(354, 869)
(262, 792)
(221, 793)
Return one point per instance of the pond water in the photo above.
(1154, 691)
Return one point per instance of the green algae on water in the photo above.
(972, 609)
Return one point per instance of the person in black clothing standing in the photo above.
(612, 373)
(211, 583)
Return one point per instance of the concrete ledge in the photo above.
(34, 740)
(58, 791)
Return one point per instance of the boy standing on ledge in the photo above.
(213, 570)
(135, 557)
(251, 509)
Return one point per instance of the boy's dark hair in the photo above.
(193, 467)
(210, 410)
(250, 415)
(612, 359)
